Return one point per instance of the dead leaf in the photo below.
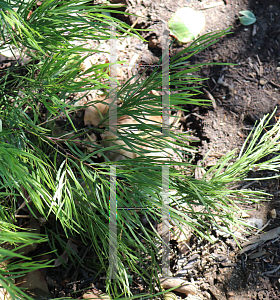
(35, 283)
(169, 296)
(245, 215)
(35, 226)
(64, 256)
(96, 296)
(254, 242)
(182, 238)
(183, 286)
(94, 114)
(257, 254)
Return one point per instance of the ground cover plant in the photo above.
(64, 185)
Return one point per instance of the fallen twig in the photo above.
(254, 242)
(272, 271)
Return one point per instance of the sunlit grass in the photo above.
(63, 180)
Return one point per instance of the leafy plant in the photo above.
(66, 183)
(248, 18)
(12, 260)
(186, 24)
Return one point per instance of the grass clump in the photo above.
(60, 181)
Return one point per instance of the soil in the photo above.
(243, 93)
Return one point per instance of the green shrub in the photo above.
(60, 178)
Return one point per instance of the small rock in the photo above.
(140, 46)
(50, 281)
(192, 297)
(217, 294)
(153, 43)
(34, 281)
(61, 294)
(213, 238)
(209, 259)
(189, 265)
(180, 262)
(221, 278)
(254, 222)
(245, 215)
(237, 234)
(263, 81)
(182, 273)
(222, 232)
(273, 213)
(216, 57)
(90, 295)
(204, 286)
(230, 293)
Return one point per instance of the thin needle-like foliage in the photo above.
(59, 178)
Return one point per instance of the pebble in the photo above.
(245, 215)
(213, 238)
(182, 273)
(61, 294)
(222, 232)
(263, 81)
(209, 259)
(192, 297)
(273, 213)
(153, 43)
(254, 222)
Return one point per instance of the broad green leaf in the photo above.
(247, 18)
(186, 24)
